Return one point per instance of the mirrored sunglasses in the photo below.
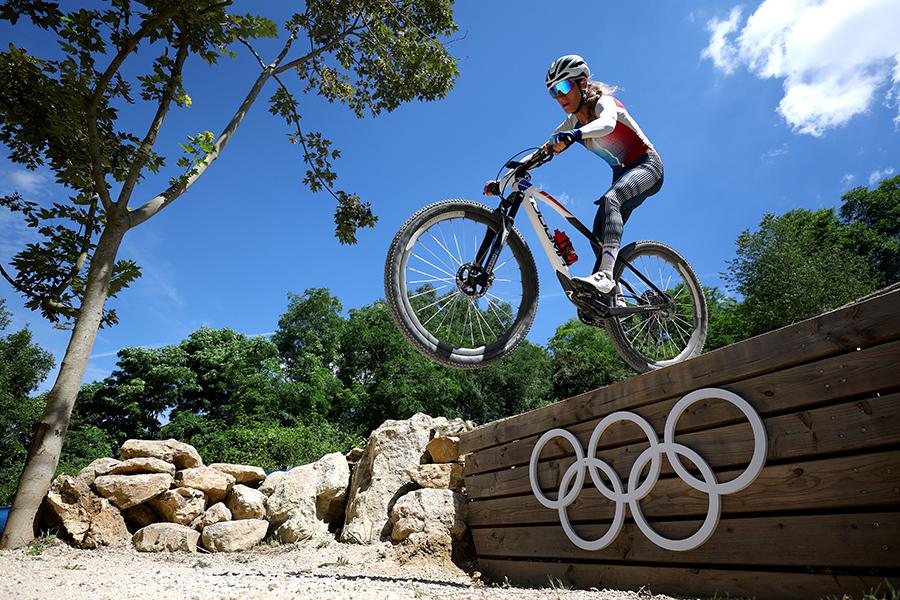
(561, 88)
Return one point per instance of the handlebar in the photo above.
(537, 159)
(518, 169)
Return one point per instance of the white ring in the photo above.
(532, 468)
(759, 441)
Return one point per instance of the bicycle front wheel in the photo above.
(451, 310)
(674, 332)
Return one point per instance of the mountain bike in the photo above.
(462, 286)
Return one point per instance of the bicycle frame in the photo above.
(527, 194)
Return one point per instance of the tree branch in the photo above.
(153, 206)
(158, 203)
(147, 144)
(58, 306)
(253, 51)
(82, 255)
(306, 157)
(127, 47)
(314, 53)
(13, 282)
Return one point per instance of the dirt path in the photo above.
(299, 571)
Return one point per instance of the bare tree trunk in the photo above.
(47, 440)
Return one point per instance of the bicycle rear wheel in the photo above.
(442, 302)
(667, 336)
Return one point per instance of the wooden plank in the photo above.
(860, 325)
(799, 388)
(852, 482)
(836, 541)
(692, 582)
(850, 426)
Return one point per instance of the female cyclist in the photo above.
(601, 124)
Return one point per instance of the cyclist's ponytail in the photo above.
(594, 90)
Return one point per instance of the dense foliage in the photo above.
(805, 262)
(23, 365)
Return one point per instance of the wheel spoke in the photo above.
(455, 306)
(450, 254)
(445, 272)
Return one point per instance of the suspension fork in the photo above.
(492, 244)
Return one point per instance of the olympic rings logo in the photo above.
(573, 479)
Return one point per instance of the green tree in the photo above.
(584, 359)
(796, 266)
(146, 383)
(239, 380)
(872, 222)
(23, 366)
(62, 111)
(308, 340)
(386, 377)
(273, 446)
(521, 382)
(727, 320)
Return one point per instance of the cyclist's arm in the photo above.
(607, 116)
(571, 122)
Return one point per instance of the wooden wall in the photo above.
(822, 518)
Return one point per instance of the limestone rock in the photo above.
(444, 449)
(268, 486)
(98, 467)
(354, 455)
(313, 492)
(439, 514)
(232, 536)
(244, 474)
(447, 476)
(90, 520)
(246, 503)
(216, 513)
(125, 491)
(140, 516)
(213, 482)
(183, 456)
(381, 475)
(453, 427)
(300, 526)
(166, 537)
(142, 464)
(181, 505)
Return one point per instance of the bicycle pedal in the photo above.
(589, 319)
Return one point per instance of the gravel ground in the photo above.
(298, 571)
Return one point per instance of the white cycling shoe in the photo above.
(600, 281)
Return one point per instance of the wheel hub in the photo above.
(473, 281)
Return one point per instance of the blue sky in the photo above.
(754, 108)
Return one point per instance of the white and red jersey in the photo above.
(613, 135)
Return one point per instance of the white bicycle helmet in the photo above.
(570, 66)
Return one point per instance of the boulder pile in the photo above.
(406, 485)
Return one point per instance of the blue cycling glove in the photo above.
(566, 137)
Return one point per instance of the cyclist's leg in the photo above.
(629, 189)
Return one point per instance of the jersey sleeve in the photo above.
(571, 122)
(607, 116)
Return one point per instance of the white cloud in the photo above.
(833, 56)
(14, 235)
(720, 50)
(876, 176)
(267, 334)
(26, 182)
(847, 179)
(774, 153)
